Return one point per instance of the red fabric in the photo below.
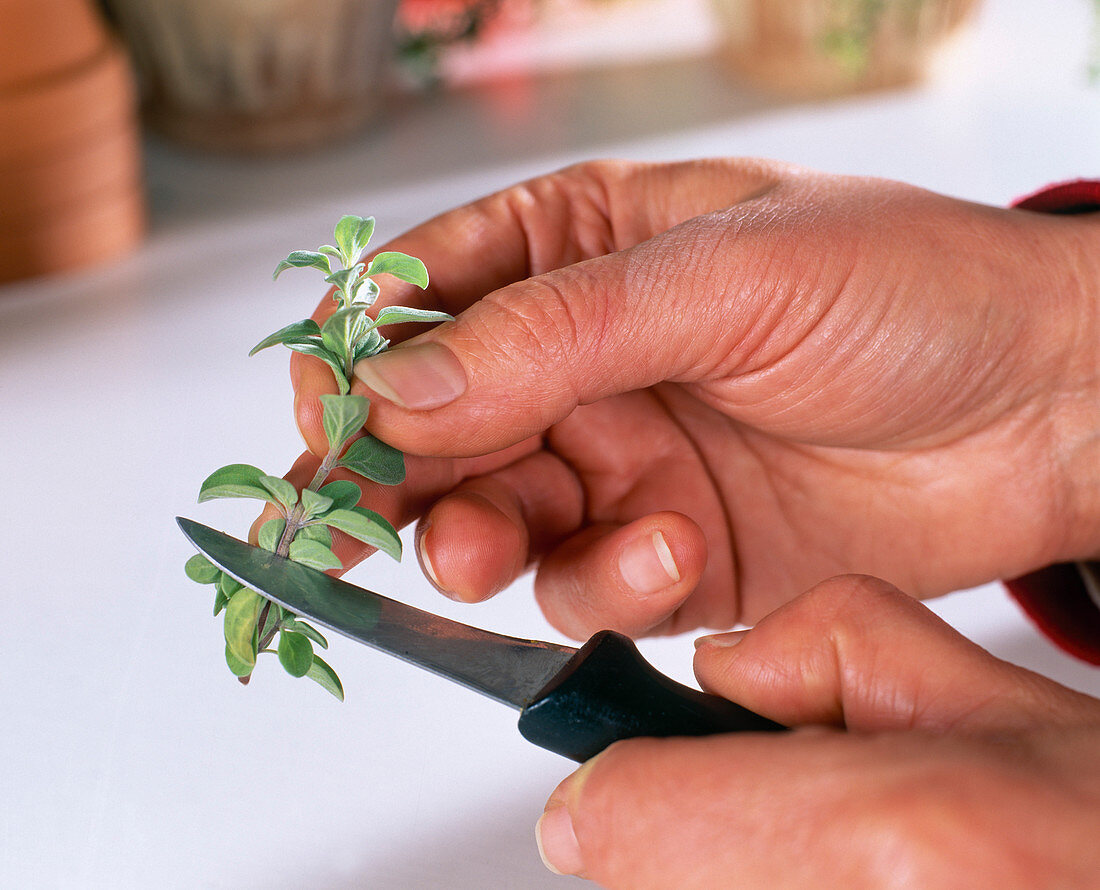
(1056, 598)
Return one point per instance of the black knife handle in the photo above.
(608, 692)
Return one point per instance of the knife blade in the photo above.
(571, 701)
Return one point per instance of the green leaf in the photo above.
(344, 494)
(202, 571)
(403, 314)
(314, 503)
(299, 331)
(343, 417)
(345, 234)
(240, 625)
(400, 265)
(295, 653)
(329, 250)
(321, 673)
(344, 278)
(220, 600)
(271, 532)
(372, 344)
(293, 624)
(228, 585)
(342, 330)
(363, 234)
(238, 667)
(372, 290)
(235, 481)
(313, 554)
(366, 526)
(315, 532)
(335, 363)
(301, 259)
(376, 460)
(285, 494)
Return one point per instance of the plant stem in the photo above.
(294, 520)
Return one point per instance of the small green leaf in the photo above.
(295, 653)
(238, 667)
(343, 417)
(313, 554)
(366, 526)
(285, 494)
(334, 362)
(240, 625)
(235, 481)
(344, 278)
(363, 234)
(321, 673)
(343, 329)
(400, 265)
(372, 344)
(271, 532)
(301, 627)
(376, 460)
(228, 585)
(299, 331)
(314, 504)
(329, 250)
(315, 531)
(345, 234)
(344, 494)
(403, 314)
(220, 600)
(202, 571)
(301, 259)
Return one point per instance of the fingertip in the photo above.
(630, 578)
(470, 548)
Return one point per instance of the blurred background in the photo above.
(157, 159)
(266, 79)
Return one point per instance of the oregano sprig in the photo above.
(302, 532)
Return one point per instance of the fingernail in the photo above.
(557, 843)
(646, 564)
(726, 640)
(417, 377)
(426, 561)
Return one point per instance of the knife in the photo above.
(574, 702)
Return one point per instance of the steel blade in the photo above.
(508, 669)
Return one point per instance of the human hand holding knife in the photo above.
(574, 702)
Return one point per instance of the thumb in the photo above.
(856, 652)
(523, 357)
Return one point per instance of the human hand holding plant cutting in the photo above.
(687, 393)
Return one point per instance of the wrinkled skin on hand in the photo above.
(685, 393)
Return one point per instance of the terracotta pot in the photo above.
(45, 37)
(90, 231)
(815, 48)
(70, 154)
(57, 111)
(259, 75)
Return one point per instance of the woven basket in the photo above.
(815, 48)
(259, 75)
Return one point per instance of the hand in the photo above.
(944, 767)
(686, 393)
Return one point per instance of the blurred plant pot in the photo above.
(259, 76)
(818, 48)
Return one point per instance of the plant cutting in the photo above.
(303, 530)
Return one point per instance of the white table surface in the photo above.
(131, 758)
